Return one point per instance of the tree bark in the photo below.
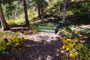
(64, 11)
(25, 11)
(42, 11)
(59, 9)
(3, 21)
(39, 11)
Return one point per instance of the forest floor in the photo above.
(41, 46)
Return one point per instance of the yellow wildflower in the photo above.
(74, 43)
(70, 45)
(64, 41)
(67, 49)
(16, 44)
(76, 53)
(71, 55)
(68, 39)
(78, 46)
(64, 46)
(88, 53)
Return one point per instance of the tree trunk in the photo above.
(59, 10)
(25, 11)
(39, 11)
(64, 11)
(3, 22)
(42, 11)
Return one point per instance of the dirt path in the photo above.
(42, 46)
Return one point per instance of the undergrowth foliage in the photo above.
(72, 45)
(9, 41)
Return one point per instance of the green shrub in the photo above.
(9, 41)
(33, 27)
